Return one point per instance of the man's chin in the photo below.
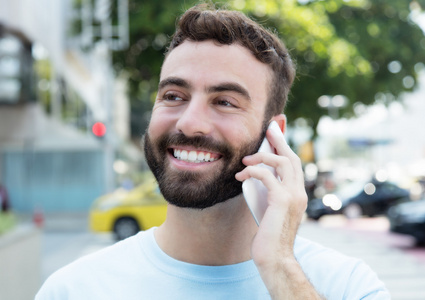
(210, 207)
(189, 190)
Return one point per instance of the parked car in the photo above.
(409, 218)
(358, 198)
(126, 212)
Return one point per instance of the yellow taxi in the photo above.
(126, 212)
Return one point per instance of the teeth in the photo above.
(193, 156)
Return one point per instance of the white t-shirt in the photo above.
(137, 268)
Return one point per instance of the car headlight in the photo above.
(332, 201)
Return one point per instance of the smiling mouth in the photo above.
(193, 156)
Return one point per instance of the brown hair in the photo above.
(205, 22)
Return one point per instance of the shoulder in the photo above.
(309, 251)
(337, 275)
(323, 263)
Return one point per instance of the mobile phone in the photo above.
(254, 191)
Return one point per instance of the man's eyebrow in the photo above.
(222, 87)
(229, 86)
(173, 81)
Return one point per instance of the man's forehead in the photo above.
(210, 59)
(214, 50)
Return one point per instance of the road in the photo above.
(398, 263)
(393, 257)
(61, 248)
(375, 230)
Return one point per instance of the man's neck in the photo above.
(220, 235)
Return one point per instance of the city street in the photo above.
(374, 230)
(394, 257)
(396, 260)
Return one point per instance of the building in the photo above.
(49, 158)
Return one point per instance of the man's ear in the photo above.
(281, 121)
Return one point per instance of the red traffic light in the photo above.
(99, 129)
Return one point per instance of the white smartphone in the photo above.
(254, 191)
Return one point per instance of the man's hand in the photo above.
(272, 247)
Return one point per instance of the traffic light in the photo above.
(99, 129)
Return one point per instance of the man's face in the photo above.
(207, 116)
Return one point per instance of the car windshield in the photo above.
(416, 207)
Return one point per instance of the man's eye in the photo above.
(225, 103)
(172, 97)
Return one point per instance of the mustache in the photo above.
(204, 142)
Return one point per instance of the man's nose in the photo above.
(195, 118)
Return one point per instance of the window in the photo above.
(15, 70)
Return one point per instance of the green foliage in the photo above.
(42, 69)
(343, 47)
(151, 25)
(7, 222)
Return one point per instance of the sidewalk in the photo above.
(61, 222)
(403, 275)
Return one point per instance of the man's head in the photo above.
(203, 22)
(213, 106)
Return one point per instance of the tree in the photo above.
(365, 50)
(151, 25)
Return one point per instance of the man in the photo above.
(224, 79)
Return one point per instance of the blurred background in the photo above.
(77, 83)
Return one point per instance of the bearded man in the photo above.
(224, 80)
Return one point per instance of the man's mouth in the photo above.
(194, 156)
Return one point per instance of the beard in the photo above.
(191, 189)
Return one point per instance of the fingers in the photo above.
(286, 163)
(277, 140)
(281, 164)
(260, 173)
